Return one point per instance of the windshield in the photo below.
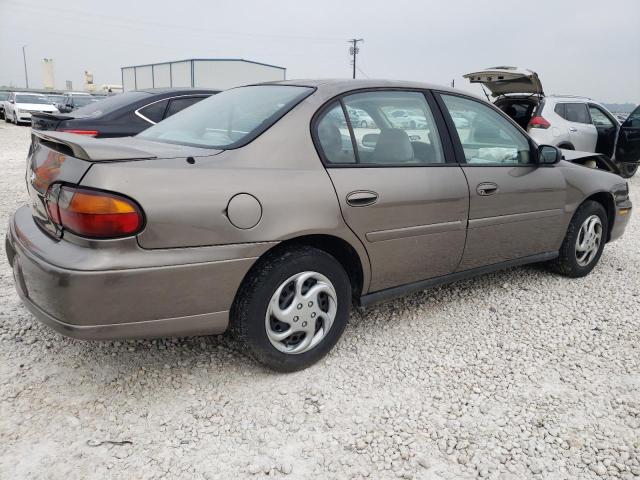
(229, 119)
(32, 99)
(4, 95)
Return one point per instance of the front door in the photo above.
(396, 188)
(628, 143)
(516, 208)
(607, 128)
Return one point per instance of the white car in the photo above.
(20, 105)
(565, 121)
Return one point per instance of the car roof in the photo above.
(177, 90)
(336, 86)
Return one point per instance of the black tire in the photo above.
(567, 263)
(566, 146)
(250, 306)
(363, 124)
(628, 170)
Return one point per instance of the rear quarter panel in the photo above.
(186, 204)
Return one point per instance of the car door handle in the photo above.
(486, 189)
(573, 129)
(362, 198)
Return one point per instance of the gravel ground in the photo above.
(520, 374)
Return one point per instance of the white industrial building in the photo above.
(216, 73)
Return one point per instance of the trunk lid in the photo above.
(503, 80)
(48, 121)
(56, 157)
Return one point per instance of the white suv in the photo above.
(568, 122)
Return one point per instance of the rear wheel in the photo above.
(628, 170)
(292, 308)
(584, 242)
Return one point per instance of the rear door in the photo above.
(628, 143)
(516, 207)
(398, 187)
(503, 80)
(582, 132)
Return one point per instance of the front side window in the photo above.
(487, 138)
(391, 128)
(229, 119)
(577, 112)
(599, 118)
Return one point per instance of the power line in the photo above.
(354, 50)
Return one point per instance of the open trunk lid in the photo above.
(503, 80)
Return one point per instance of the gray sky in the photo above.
(581, 47)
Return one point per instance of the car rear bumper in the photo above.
(167, 296)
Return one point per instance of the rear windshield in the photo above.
(31, 99)
(229, 119)
(84, 100)
(109, 104)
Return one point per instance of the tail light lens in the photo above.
(539, 122)
(90, 133)
(94, 213)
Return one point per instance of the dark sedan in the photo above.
(122, 115)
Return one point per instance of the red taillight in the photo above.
(91, 133)
(539, 122)
(95, 214)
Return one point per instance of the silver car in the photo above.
(266, 210)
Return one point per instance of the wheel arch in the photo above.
(345, 253)
(607, 201)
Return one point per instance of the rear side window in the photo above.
(178, 104)
(394, 128)
(333, 136)
(154, 111)
(577, 112)
(560, 110)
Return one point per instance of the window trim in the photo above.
(137, 111)
(457, 143)
(445, 140)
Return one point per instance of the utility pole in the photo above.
(24, 57)
(353, 51)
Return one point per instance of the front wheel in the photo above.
(292, 308)
(584, 241)
(628, 170)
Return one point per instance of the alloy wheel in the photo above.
(588, 241)
(301, 312)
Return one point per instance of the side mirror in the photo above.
(370, 139)
(548, 155)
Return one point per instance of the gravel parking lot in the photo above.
(515, 375)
